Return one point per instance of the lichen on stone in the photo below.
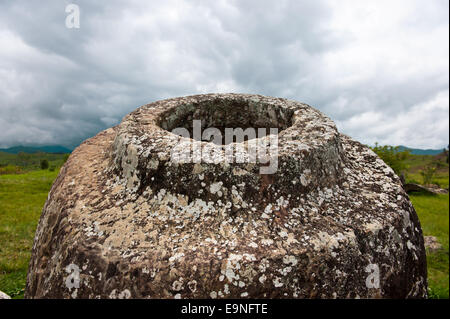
(140, 225)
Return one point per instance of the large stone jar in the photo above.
(127, 219)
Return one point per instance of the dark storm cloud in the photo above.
(380, 70)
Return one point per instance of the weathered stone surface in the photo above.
(332, 222)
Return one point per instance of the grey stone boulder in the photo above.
(125, 220)
(4, 296)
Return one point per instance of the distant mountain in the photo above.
(418, 151)
(35, 149)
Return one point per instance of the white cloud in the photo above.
(379, 69)
(424, 125)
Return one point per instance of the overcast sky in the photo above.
(379, 69)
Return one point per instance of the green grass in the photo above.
(433, 214)
(28, 162)
(22, 197)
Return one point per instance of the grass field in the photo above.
(433, 214)
(24, 162)
(22, 197)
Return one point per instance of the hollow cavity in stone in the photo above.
(234, 115)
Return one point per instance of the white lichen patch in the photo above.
(290, 260)
(215, 188)
(277, 282)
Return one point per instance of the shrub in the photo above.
(44, 164)
(428, 173)
(392, 156)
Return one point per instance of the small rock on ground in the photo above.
(431, 243)
(4, 296)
